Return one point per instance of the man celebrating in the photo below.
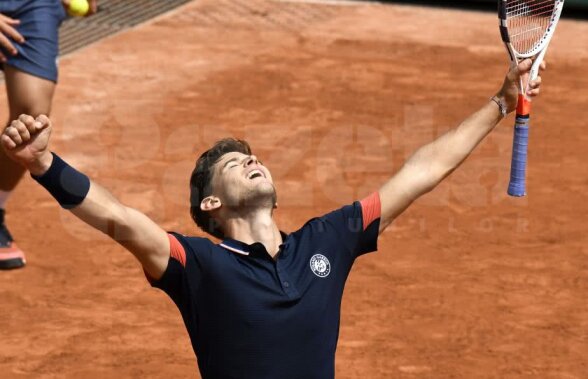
(261, 304)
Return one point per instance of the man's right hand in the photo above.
(26, 141)
(8, 33)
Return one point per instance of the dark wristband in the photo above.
(67, 185)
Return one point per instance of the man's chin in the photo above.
(259, 196)
(264, 193)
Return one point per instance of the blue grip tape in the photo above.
(518, 167)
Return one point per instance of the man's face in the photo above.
(240, 180)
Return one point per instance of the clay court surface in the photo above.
(467, 284)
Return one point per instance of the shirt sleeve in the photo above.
(357, 225)
(183, 273)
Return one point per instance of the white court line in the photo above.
(326, 2)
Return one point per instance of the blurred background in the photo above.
(572, 8)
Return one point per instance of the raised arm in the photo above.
(432, 163)
(26, 141)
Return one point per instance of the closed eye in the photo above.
(230, 163)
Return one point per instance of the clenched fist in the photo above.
(26, 141)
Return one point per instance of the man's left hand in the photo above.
(509, 93)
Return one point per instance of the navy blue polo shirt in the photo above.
(250, 316)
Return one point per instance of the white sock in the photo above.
(3, 197)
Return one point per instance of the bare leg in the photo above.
(27, 94)
(31, 95)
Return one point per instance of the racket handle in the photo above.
(518, 167)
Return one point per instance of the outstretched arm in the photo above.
(432, 163)
(26, 141)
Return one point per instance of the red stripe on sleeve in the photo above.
(176, 250)
(371, 209)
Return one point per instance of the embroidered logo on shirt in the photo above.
(320, 266)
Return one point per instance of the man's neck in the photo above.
(257, 226)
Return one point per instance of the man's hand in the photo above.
(509, 93)
(8, 34)
(26, 141)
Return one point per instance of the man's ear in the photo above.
(210, 203)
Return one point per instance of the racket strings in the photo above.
(527, 4)
(539, 9)
(528, 21)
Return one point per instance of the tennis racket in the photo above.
(526, 27)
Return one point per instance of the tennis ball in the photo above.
(78, 8)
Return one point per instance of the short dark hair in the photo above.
(201, 181)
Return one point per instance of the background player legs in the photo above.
(27, 94)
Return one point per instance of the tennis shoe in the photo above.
(11, 256)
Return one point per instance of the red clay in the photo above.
(469, 283)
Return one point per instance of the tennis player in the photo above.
(29, 45)
(262, 303)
